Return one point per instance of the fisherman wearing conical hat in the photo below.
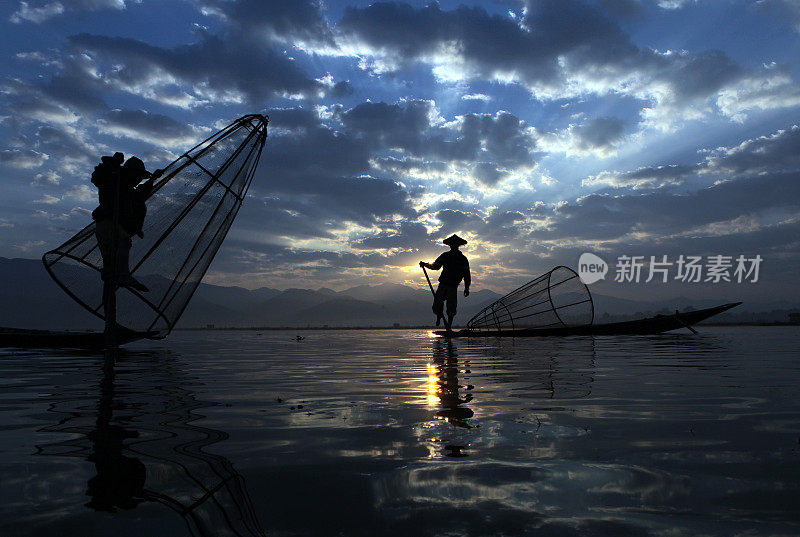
(113, 178)
(455, 267)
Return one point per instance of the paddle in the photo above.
(446, 324)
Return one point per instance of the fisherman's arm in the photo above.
(145, 189)
(467, 278)
(436, 265)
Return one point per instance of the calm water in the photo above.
(398, 433)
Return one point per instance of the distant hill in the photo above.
(32, 300)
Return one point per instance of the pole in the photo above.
(446, 324)
(110, 283)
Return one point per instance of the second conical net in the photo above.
(188, 216)
(555, 299)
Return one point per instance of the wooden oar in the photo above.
(446, 324)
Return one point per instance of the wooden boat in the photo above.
(37, 339)
(649, 325)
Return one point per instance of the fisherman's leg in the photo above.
(452, 303)
(103, 231)
(124, 278)
(123, 254)
(438, 301)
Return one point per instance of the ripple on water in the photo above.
(391, 432)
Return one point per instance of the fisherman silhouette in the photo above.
(455, 268)
(114, 179)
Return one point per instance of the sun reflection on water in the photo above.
(432, 385)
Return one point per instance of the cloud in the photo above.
(778, 152)
(48, 200)
(72, 89)
(29, 246)
(83, 193)
(47, 10)
(783, 10)
(659, 213)
(49, 178)
(476, 97)
(674, 4)
(599, 133)
(559, 49)
(216, 69)
(36, 14)
(22, 158)
(416, 128)
(291, 22)
(68, 142)
(407, 235)
(156, 129)
(488, 173)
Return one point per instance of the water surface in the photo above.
(400, 433)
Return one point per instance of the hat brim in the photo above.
(454, 242)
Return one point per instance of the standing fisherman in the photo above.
(455, 268)
(114, 179)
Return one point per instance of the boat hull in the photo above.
(35, 339)
(649, 325)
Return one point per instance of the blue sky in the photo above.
(537, 130)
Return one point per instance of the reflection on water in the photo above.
(397, 433)
(144, 446)
(453, 409)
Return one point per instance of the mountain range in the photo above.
(32, 300)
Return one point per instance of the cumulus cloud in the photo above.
(22, 158)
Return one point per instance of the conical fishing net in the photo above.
(189, 214)
(555, 299)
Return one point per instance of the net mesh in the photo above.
(189, 214)
(555, 299)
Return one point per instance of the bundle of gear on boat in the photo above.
(122, 199)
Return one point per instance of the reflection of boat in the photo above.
(145, 448)
(649, 325)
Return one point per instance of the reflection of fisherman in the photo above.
(455, 268)
(120, 480)
(448, 386)
(109, 176)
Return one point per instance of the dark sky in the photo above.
(537, 130)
